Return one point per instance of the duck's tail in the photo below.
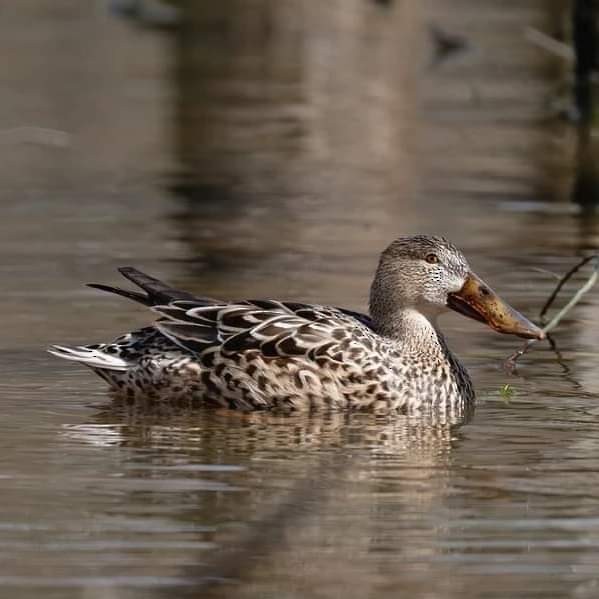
(93, 357)
(156, 292)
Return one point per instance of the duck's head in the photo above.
(430, 275)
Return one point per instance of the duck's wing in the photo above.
(274, 328)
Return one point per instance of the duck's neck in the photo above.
(413, 331)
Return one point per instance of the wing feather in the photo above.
(276, 329)
(193, 337)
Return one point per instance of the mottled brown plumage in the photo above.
(262, 354)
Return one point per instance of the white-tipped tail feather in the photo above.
(94, 358)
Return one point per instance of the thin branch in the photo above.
(562, 282)
(545, 271)
(510, 362)
(577, 296)
(550, 44)
(554, 347)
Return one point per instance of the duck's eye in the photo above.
(432, 258)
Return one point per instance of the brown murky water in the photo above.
(273, 148)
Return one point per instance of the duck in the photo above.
(280, 355)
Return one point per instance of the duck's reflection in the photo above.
(267, 456)
(241, 433)
(293, 489)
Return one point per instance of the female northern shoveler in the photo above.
(258, 354)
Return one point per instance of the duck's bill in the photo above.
(478, 301)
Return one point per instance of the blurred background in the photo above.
(272, 148)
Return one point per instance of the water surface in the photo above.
(269, 151)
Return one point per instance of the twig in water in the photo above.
(550, 44)
(554, 347)
(562, 282)
(549, 273)
(510, 362)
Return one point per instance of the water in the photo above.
(263, 150)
